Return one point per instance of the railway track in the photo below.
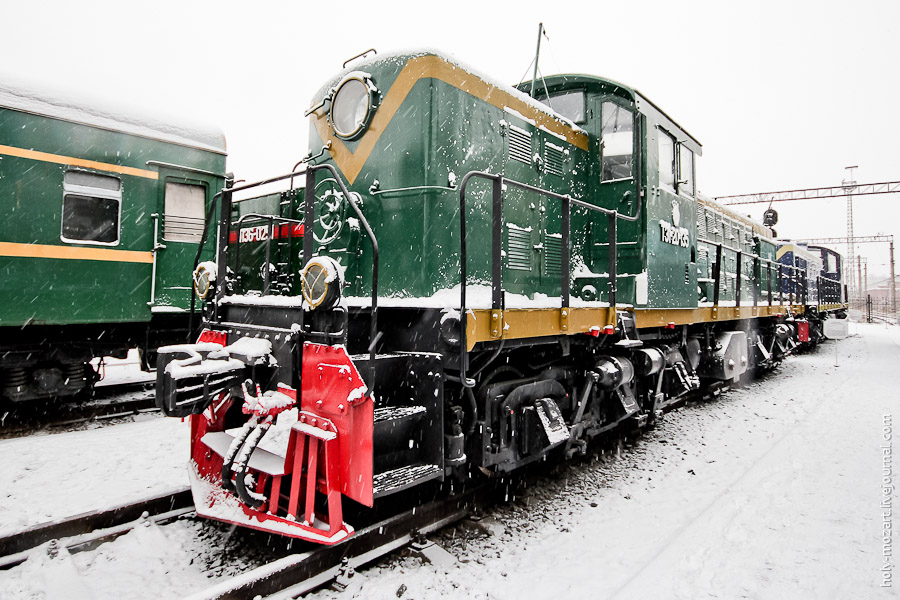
(292, 575)
(286, 572)
(106, 403)
(286, 575)
(296, 574)
(85, 531)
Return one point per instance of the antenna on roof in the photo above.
(537, 56)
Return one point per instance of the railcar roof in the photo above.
(57, 105)
(798, 249)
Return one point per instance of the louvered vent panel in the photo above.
(518, 249)
(519, 145)
(701, 221)
(554, 159)
(552, 256)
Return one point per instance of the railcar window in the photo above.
(617, 141)
(184, 217)
(685, 170)
(666, 159)
(91, 208)
(568, 104)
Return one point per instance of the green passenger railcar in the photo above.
(102, 218)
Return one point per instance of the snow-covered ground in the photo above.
(47, 477)
(772, 491)
(122, 370)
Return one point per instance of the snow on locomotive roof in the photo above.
(757, 227)
(46, 102)
(400, 57)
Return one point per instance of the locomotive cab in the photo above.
(643, 160)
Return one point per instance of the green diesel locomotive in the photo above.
(471, 279)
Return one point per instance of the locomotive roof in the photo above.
(402, 57)
(556, 83)
(799, 249)
(56, 105)
(757, 227)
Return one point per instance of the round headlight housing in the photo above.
(204, 276)
(352, 105)
(322, 280)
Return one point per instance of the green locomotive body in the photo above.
(487, 279)
(103, 216)
(612, 148)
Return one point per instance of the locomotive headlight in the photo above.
(204, 276)
(352, 105)
(322, 279)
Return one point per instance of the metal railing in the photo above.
(497, 296)
(224, 199)
(270, 231)
(795, 277)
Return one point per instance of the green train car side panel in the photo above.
(437, 124)
(49, 280)
(671, 237)
(439, 133)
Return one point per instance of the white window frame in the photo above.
(91, 192)
(693, 191)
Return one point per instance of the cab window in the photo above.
(91, 208)
(685, 170)
(616, 142)
(568, 104)
(666, 159)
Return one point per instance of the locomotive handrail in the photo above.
(796, 277)
(309, 216)
(267, 275)
(272, 217)
(225, 195)
(225, 228)
(191, 335)
(497, 297)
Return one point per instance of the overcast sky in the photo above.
(782, 94)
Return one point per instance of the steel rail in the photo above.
(87, 530)
(300, 573)
(103, 404)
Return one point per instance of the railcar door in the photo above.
(672, 222)
(180, 218)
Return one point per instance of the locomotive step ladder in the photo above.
(397, 480)
(408, 420)
(402, 424)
